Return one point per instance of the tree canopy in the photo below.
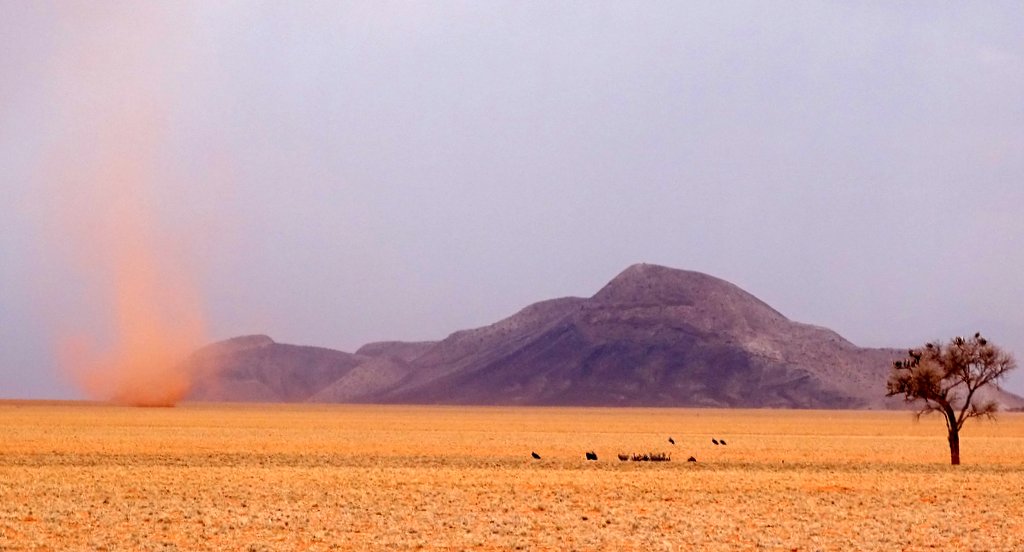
(946, 378)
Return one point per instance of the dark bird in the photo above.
(715, 441)
(691, 459)
(671, 440)
(977, 335)
(722, 441)
(623, 457)
(591, 456)
(535, 455)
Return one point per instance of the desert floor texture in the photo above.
(81, 476)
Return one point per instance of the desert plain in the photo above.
(88, 476)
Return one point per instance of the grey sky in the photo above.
(344, 173)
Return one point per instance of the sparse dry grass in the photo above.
(206, 477)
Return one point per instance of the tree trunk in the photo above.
(954, 435)
(954, 447)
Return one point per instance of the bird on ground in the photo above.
(591, 456)
(535, 455)
(715, 441)
(691, 459)
(721, 441)
(671, 440)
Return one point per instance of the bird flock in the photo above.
(644, 457)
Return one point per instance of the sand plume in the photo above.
(109, 183)
(150, 315)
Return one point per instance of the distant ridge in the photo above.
(652, 336)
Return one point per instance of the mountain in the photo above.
(653, 336)
(255, 368)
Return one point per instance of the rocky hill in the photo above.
(255, 368)
(653, 336)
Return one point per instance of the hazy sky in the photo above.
(339, 173)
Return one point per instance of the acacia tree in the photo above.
(945, 378)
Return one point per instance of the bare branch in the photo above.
(966, 408)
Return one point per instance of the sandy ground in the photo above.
(80, 476)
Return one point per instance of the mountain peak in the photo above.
(236, 344)
(248, 341)
(644, 283)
